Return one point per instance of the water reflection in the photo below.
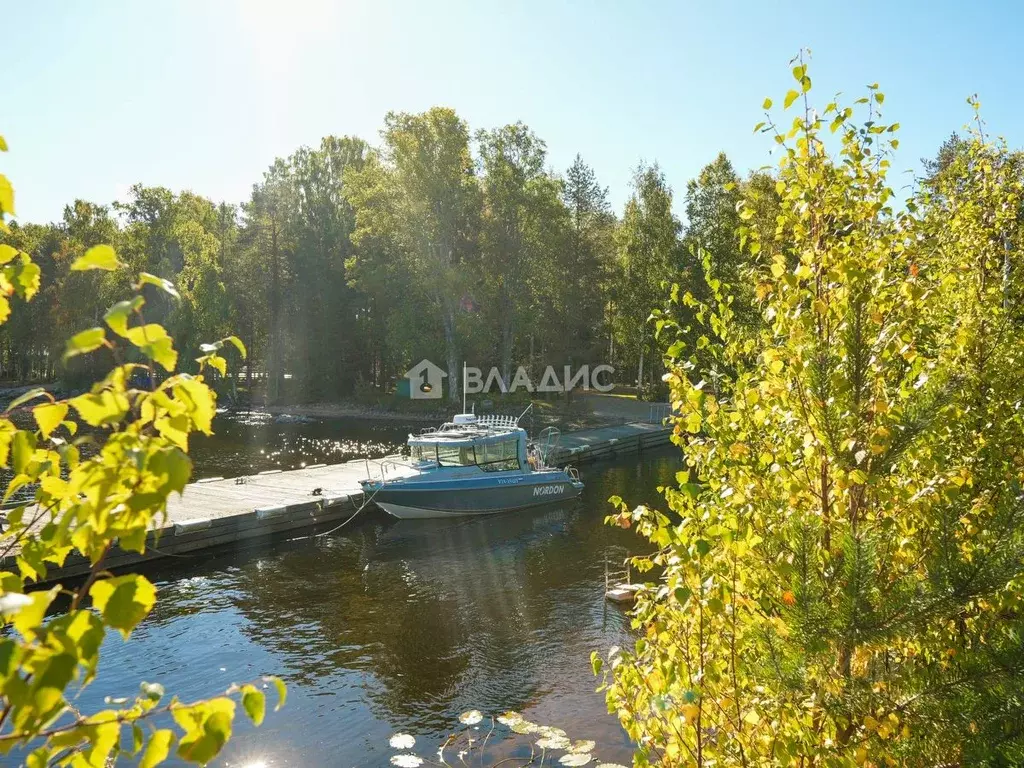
(253, 441)
(399, 626)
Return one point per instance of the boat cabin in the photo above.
(493, 444)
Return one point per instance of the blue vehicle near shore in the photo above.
(473, 465)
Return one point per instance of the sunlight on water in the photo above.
(398, 627)
(391, 627)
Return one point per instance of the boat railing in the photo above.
(390, 463)
(497, 420)
(573, 473)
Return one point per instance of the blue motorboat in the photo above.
(473, 465)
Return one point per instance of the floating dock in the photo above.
(284, 504)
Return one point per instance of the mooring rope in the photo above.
(352, 517)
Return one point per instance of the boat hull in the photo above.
(417, 500)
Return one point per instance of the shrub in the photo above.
(842, 575)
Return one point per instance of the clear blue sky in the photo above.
(204, 95)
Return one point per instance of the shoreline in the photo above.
(344, 411)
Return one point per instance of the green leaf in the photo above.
(200, 400)
(207, 728)
(97, 257)
(157, 749)
(8, 253)
(102, 409)
(32, 394)
(138, 739)
(173, 467)
(25, 277)
(596, 662)
(117, 316)
(154, 342)
(254, 703)
(282, 691)
(49, 416)
(216, 362)
(28, 618)
(22, 448)
(693, 422)
(791, 96)
(142, 335)
(123, 601)
(238, 345)
(85, 341)
(164, 285)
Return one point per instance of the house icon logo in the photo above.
(425, 381)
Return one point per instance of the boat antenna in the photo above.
(525, 412)
(463, 386)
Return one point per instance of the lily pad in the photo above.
(584, 745)
(407, 761)
(402, 741)
(575, 758)
(553, 742)
(472, 717)
(549, 730)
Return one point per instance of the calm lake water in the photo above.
(390, 626)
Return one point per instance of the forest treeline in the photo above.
(350, 262)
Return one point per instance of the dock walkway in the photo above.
(216, 512)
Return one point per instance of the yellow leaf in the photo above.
(200, 402)
(49, 416)
(6, 196)
(98, 410)
(97, 257)
(157, 749)
(7, 253)
(123, 601)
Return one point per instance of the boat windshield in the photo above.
(455, 456)
(490, 456)
(423, 452)
(498, 456)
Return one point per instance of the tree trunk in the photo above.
(640, 372)
(274, 367)
(452, 351)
